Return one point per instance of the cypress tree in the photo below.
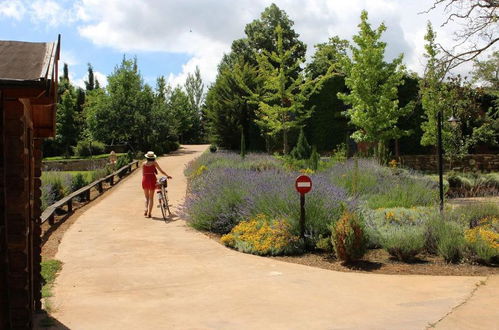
(302, 149)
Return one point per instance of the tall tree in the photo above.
(90, 83)
(113, 115)
(181, 111)
(260, 34)
(487, 72)
(65, 71)
(195, 91)
(67, 133)
(228, 104)
(327, 57)
(434, 95)
(453, 97)
(373, 88)
(281, 103)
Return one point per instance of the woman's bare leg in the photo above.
(151, 201)
(146, 195)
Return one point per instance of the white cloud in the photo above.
(12, 9)
(204, 30)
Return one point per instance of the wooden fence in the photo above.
(84, 193)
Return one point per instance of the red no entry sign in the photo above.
(303, 184)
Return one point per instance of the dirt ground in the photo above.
(378, 261)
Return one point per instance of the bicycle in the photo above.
(162, 194)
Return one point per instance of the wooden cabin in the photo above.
(28, 97)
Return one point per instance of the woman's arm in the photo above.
(161, 170)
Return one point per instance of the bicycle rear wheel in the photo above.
(165, 200)
(161, 201)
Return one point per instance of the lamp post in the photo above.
(453, 120)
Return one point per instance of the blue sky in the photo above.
(171, 38)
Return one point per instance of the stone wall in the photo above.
(479, 162)
(74, 165)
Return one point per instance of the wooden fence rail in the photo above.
(84, 193)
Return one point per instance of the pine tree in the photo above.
(281, 106)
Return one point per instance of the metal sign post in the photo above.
(303, 185)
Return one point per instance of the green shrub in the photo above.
(89, 148)
(314, 159)
(403, 242)
(55, 185)
(122, 161)
(302, 150)
(324, 244)
(262, 235)
(78, 182)
(348, 237)
(470, 215)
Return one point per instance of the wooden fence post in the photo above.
(70, 205)
(99, 187)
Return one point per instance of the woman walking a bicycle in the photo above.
(149, 170)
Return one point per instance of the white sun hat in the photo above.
(150, 155)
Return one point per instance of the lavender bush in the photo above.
(220, 197)
(382, 187)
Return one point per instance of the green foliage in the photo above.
(55, 185)
(78, 182)
(314, 159)
(195, 92)
(373, 87)
(445, 238)
(403, 242)
(302, 150)
(324, 244)
(89, 147)
(262, 235)
(487, 72)
(66, 129)
(49, 270)
(348, 237)
(228, 108)
(327, 127)
(281, 104)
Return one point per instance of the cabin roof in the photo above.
(28, 63)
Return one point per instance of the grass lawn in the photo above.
(72, 158)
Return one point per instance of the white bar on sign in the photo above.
(303, 184)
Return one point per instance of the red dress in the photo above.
(149, 177)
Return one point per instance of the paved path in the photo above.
(124, 271)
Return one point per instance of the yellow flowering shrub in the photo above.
(200, 170)
(348, 237)
(262, 235)
(486, 231)
(307, 171)
(484, 238)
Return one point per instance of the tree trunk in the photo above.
(285, 141)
